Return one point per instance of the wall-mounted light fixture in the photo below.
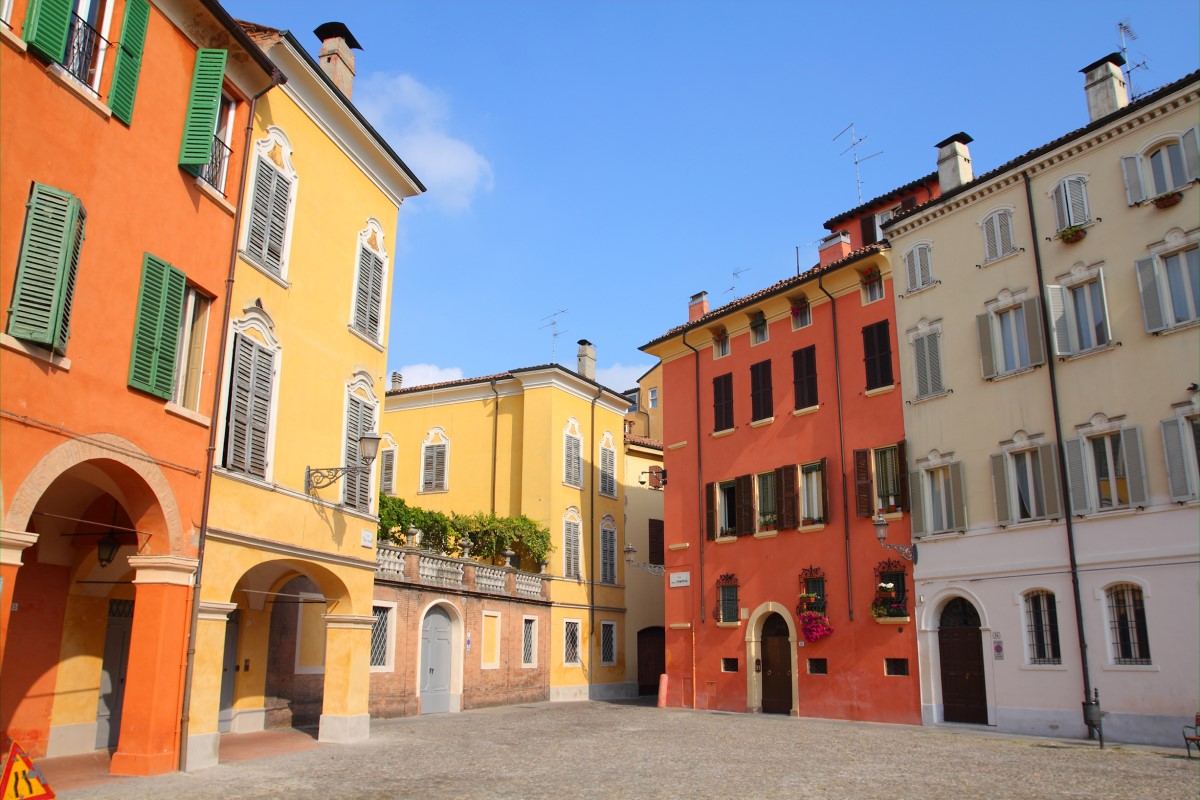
(653, 569)
(907, 551)
(655, 476)
(320, 477)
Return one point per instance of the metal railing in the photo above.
(82, 57)
(213, 173)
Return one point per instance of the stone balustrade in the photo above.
(490, 579)
(389, 562)
(411, 565)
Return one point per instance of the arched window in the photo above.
(370, 277)
(1127, 624)
(608, 550)
(572, 542)
(572, 454)
(998, 235)
(1165, 166)
(918, 265)
(1071, 202)
(272, 204)
(1041, 628)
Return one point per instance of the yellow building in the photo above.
(285, 617)
(543, 442)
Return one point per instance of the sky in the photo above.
(593, 164)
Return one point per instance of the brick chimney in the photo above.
(336, 57)
(1104, 85)
(834, 247)
(697, 306)
(397, 381)
(954, 162)
(587, 359)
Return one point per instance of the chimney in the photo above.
(834, 247)
(336, 59)
(1104, 85)
(587, 359)
(954, 162)
(697, 306)
(397, 381)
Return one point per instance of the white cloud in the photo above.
(413, 118)
(421, 374)
(620, 376)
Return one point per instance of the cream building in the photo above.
(1050, 361)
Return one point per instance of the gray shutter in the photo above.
(983, 324)
(1048, 459)
(350, 486)
(991, 238)
(608, 548)
(1033, 332)
(910, 265)
(1175, 435)
(1135, 466)
(916, 504)
(1076, 478)
(428, 467)
(1131, 167)
(924, 265)
(1060, 322)
(362, 292)
(387, 472)
(260, 411)
(1077, 199)
(1061, 214)
(1152, 304)
(921, 359)
(439, 467)
(608, 481)
(280, 196)
(1000, 487)
(376, 296)
(958, 498)
(240, 391)
(933, 354)
(571, 550)
(1191, 158)
(1004, 232)
(265, 176)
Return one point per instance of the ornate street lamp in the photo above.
(320, 477)
(654, 569)
(907, 551)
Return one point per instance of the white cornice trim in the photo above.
(170, 570)
(216, 612)
(578, 387)
(448, 395)
(357, 622)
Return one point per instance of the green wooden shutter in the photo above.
(46, 268)
(129, 59)
(156, 328)
(203, 105)
(46, 26)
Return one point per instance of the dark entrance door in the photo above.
(229, 670)
(652, 660)
(112, 673)
(776, 667)
(435, 661)
(960, 648)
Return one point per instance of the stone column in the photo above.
(344, 715)
(204, 736)
(12, 545)
(148, 743)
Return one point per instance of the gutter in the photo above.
(699, 506)
(592, 547)
(495, 427)
(837, 376)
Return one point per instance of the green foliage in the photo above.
(489, 534)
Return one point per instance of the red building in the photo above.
(784, 442)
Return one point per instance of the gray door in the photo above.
(112, 673)
(229, 670)
(435, 661)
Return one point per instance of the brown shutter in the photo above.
(907, 203)
(862, 483)
(868, 230)
(786, 497)
(901, 471)
(824, 491)
(655, 542)
(744, 500)
(710, 503)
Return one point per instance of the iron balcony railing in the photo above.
(213, 173)
(82, 58)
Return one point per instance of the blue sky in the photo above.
(612, 158)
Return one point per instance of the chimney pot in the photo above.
(697, 306)
(336, 58)
(397, 381)
(834, 247)
(954, 161)
(587, 359)
(1104, 85)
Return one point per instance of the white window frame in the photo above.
(1005, 303)
(881, 218)
(992, 223)
(191, 299)
(1138, 170)
(804, 319)
(389, 664)
(572, 517)
(103, 27)
(724, 508)
(533, 648)
(812, 492)
(567, 623)
(608, 555)
(918, 275)
(938, 496)
(484, 664)
(1027, 614)
(257, 325)
(721, 346)
(652, 397)
(1183, 477)
(361, 388)
(1067, 214)
(613, 626)
(919, 333)
(1176, 243)
(759, 525)
(608, 477)
(371, 239)
(1102, 426)
(933, 475)
(572, 431)
(1062, 306)
(274, 145)
(388, 487)
(1021, 464)
(864, 287)
(900, 476)
(436, 437)
(755, 337)
(229, 107)
(1011, 320)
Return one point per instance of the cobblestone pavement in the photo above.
(605, 750)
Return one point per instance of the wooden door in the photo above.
(435, 661)
(960, 648)
(776, 667)
(113, 668)
(652, 660)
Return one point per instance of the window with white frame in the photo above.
(608, 550)
(1078, 312)
(927, 360)
(193, 333)
(758, 328)
(720, 339)
(367, 316)
(608, 643)
(652, 397)
(383, 637)
(1105, 467)
(608, 466)
(1025, 481)
(1071, 203)
(801, 313)
(1165, 166)
(360, 419)
(1181, 447)
(879, 480)
(939, 501)
(1169, 284)
(572, 454)
(727, 508)
(571, 642)
(767, 513)
(998, 235)
(6, 7)
(272, 204)
(1041, 628)
(435, 461)
(1010, 336)
(871, 282)
(918, 267)
(572, 544)
(886, 470)
(812, 493)
(529, 641)
(1129, 638)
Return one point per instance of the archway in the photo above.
(960, 652)
(776, 666)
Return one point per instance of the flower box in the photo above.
(1072, 234)
(1167, 200)
(893, 620)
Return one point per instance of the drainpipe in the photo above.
(495, 427)
(184, 720)
(699, 504)
(592, 545)
(837, 377)
(1063, 493)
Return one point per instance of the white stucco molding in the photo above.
(928, 618)
(170, 570)
(350, 621)
(216, 612)
(13, 544)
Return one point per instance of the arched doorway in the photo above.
(651, 657)
(776, 666)
(436, 664)
(960, 651)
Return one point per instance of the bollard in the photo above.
(662, 690)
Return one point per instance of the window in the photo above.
(387, 471)
(193, 333)
(1010, 338)
(197, 151)
(812, 585)
(1105, 469)
(368, 284)
(927, 349)
(723, 402)
(47, 266)
(871, 225)
(918, 265)
(804, 376)
(997, 235)
(6, 7)
(1078, 319)
(608, 550)
(608, 466)
(272, 199)
(729, 665)
(720, 343)
(655, 543)
(382, 638)
(529, 642)
(730, 507)
(1127, 623)
(1170, 288)
(812, 493)
(895, 666)
(818, 666)
(939, 503)
(727, 501)
(1181, 447)
(758, 328)
(1166, 167)
(1041, 628)
(652, 397)
(572, 455)
(767, 514)
(1071, 203)
(878, 480)
(886, 476)
(571, 642)
(872, 286)
(632, 397)
(572, 541)
(156, 328)
(215, 172)
(248, 414)
(608, 643)
(891, 591)
(801, 313)
(434, 461)
(877, 355)
(489, 641)
(1025, 482)
(761, 405)
(360, 419)
(727, 599)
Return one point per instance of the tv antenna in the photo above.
(1126, 32)
(855, 141)
(551, 322)
(737, 273)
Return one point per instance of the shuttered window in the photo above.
(433, 468)
(368, 293)
(129, 59)
(918, 265)
(204, 104)
(744, 506)
(787, 505)
(1106, 471)
(608, 552)
(1025, 484)
(157, 327)
(572, 461)
(46, 25)
(193, 333)
(1181, 448)
(655, 542)
(387, 472)
(249, 411)
(804, 376)
(927, 350)
(998, 235)
(47, 267)
(608, 472)
(1071, 203)
(768, 512)
(877, 355)
(761, 404)
(571, 545)
(813, 493)
(723, 402)
(1169, 286)
(758, 328)
(1167, 167)
(938, 504)
(360, 419)
(1010, 339)
(1078, 316)
(268, 223)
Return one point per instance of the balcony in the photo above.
(414, 566)
(85, 46)
(213, 173)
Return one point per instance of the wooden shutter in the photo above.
(241, 380)
(863, 504)
(1077, 208)
(804, 377)
(608, 466)
(608, 549)
(987, 356)
(281, 194)
(1135, 466)
(899, 472)
(921, 360)
(744, 504)
(1076, 479)
(359, 420)
(1152, 304)
(824, 473)
(1048, 459)
(203, 105)
(917, 513)
(760, 390)
(46, 25)
(1060, 322)
(710, 509)
(258, 230)
(910, 268)
(933, 352)
(156, 328)
(47, 268)
(991, 238)
(1061, 213)
(1033, 332)
(1004, 232)
(571, 549)
(958, 498)
(387, 472)
(869, 232)
(428, 468)
(655, 542)
(1131, 168)
(260, 410)
(439, 467)
(1191, 156)
(572, 468)
(1175, 444)
(925, 264)
(787, 495)
(129, 59)
(368, 292)
(723, 402)
(1000, 488)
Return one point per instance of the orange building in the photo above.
(784, 440)
(121, 143)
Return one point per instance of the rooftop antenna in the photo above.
(737, 273)
(552, 324)
(1126, 32)
(855, 141)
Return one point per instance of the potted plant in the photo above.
(1072, 234)
(1167, 200)
(814, 625)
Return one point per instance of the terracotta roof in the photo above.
(512, 373)
(258, 32)
(643, 441)
(772, 290)
(1030, 155)
(899, 190)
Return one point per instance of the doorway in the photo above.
(435, 661)
(651, 658)
(229, 670)
(113, 669)
(776, 666)
(960, 650)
